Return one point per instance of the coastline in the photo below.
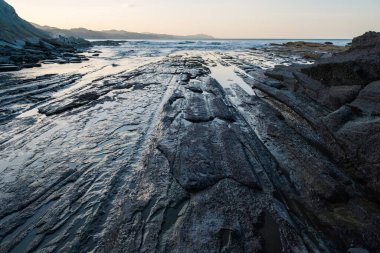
(246, 147)
(69, 50)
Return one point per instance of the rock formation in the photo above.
(173, 157)
(339, 97)
(16, 31)
(23, 45)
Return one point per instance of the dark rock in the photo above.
(313, 47)
(8, 67)
(68, 55)
(332, 97)
(31, 65)
(185, 77)
(350, 72)
(368, 99)
(67, 105)
(357, 250)
(367, 40)
(280, 73)
(107, 43)
(335, 120)
(312, 56)
(62, 61)
(339, 98)
(358, 66)
(75, 60)
(165, 159)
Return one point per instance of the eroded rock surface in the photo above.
(174, 157)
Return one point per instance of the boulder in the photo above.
(367, 40)
(369, 99)
(359, 65)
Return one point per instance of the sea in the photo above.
(134, 53)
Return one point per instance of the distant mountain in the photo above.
(16, 31)
(114, 34)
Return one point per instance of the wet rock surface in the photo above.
(347, 85)
(345, 90)
(182, 155)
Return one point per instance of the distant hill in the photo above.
(16, 31)
(24, 45)
(115, 34)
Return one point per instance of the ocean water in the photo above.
(153, 48)
(134, 53)
(218, 44)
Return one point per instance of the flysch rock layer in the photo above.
(168, 158)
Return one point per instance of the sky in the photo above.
(219, 18)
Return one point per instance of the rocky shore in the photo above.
(347, 88)
(308, 50)
(334, 105)
(61, 50)
(248, 151)
(24, 46)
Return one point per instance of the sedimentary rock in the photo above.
(347, 86)
(171, 157)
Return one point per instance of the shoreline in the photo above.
(245, 147)
(33, 55)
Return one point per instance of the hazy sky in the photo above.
(220, 18)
